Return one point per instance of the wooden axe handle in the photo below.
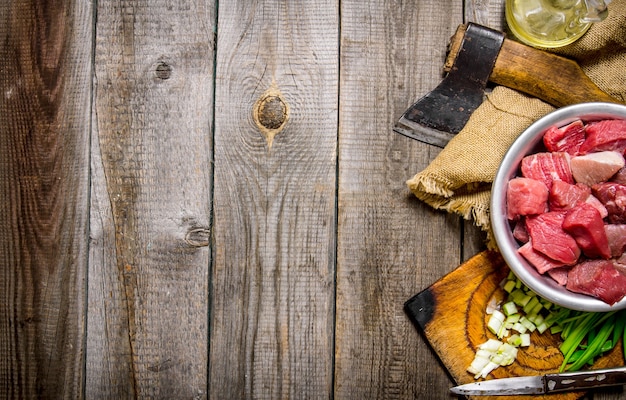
(556, 80)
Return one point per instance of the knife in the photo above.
(544, 384)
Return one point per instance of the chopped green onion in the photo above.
(509, 308)
(529, 307)
(515, 340)
(496, 323)
(509, 286)
(556, 329)
(586, 335)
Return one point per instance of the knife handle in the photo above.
(585, 380)
(556, 80)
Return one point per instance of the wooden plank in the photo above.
(390, 246)
(45, 86)
(273, 277)
(150, 219)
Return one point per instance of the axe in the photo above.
(478, 55)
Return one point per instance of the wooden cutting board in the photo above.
(451, 316)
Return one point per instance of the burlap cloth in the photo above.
(459, 178)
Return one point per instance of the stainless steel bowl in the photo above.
(530, 141)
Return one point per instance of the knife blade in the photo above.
(544, 384)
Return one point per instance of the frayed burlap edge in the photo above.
(448, 185)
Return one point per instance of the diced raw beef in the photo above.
(548, 237)
(542, 263)
(519, 231)
(547, 167)
(620, 176)
(597, 167)
(621, 260)
(567, 139)
(586, 226)
(616, 235)
(559, 275)
(564, 196)
(593, 200)
(620, 267)
(598, 278)
(609, 134)
(613, 197)
(526, 196)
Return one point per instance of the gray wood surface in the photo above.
(205, 199)
(274, 200)
(151, 200)
(45, 90)
(390, 246)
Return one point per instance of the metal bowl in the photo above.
(530, 141)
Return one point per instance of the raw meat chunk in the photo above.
(620, 176)
(566, 139)
(564, 196)
(604, 135)
(613, 197)
(597, 167)
(620, 263)
(598, 278)
(526, 197)
(548, 237)
(519, 231)
(620, 267)
(547, 167)
(559, 275)
(598, 205)
(586, 226)
(579, 240)
(616, 235)
(542, 263)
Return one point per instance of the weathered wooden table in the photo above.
(205, 200)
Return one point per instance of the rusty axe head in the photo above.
(442, 113)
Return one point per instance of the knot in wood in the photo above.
(198, 237)
(271, 112)
(163, 70)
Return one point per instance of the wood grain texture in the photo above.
(273, 276)
(151, 200)
(389, 245)
(45, 59)
(204, 200)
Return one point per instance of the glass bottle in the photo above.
(553, 23)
